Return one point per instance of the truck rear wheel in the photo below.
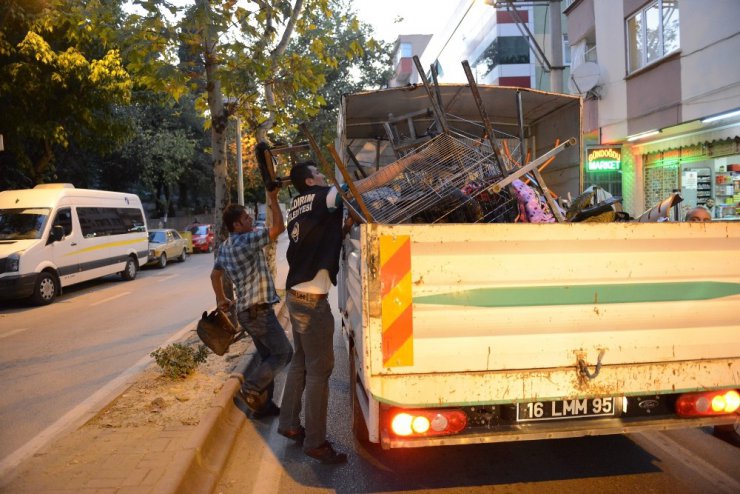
(359, 427)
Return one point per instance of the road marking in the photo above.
(714, 476)
(165, 278)
(15, 331)
(110, 298)
(83, 412)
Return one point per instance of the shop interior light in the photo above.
(722, 116)
(643, 135)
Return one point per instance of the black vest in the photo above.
(315, 236)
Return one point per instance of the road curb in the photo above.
(197, 468)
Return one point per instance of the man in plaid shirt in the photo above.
(241, 258)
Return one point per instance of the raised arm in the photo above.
(278, 226)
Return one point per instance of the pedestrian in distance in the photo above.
(698, 214)
(315, 230)
(241, 259)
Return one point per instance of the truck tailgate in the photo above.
(533, 299)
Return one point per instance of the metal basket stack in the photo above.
(444, 180)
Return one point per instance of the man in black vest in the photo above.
(315, 232)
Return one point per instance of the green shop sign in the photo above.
(604, 159)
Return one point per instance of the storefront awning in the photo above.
(731, 131)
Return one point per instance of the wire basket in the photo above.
(444, 180)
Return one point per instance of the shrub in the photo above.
(178, 360)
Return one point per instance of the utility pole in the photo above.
(556, 47)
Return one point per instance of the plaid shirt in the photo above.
(241, 257)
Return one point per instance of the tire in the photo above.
(162, 262)
(182, 256)
(46, 289)
(729, 433)
(130, 270)
(210, 247)
(359, 427)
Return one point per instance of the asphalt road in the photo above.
(62, 362)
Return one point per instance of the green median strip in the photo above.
(625, 293)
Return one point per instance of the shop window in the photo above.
(652, 33)
(610, 181)
(660, 182)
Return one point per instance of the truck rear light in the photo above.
(718, 402)
(436, 422)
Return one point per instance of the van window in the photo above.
(22, 223)
(100, 222)
(64, 219)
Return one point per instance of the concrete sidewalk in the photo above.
(173, 459)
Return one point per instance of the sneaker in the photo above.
(297, 435)
(269, 410)
(326, 454)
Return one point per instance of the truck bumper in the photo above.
(537, 432)
(15, 287)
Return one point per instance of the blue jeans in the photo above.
(272, 345)
(313, 338)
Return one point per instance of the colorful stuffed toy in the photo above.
(532, 207)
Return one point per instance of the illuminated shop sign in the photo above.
(603, 159)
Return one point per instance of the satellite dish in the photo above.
(584, 78)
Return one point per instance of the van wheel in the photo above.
(210, 247)
(47, 287)
(129, 272)
(359, 427)
(182, 256)
(162, 261)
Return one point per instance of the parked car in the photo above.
(164, 244)
(203, 237)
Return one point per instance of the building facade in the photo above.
(404, 49)
(661, 90)
(507, 43)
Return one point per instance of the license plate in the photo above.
(565, 409)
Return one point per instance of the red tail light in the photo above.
(720, 402)
(434, 422)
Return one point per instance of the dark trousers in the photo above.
(273, 347)
(313, 335)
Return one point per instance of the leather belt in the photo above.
(308, 297)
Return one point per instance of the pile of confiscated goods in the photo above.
(479, 176)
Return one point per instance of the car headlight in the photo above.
(12, 265)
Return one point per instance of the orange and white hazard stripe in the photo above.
(396, 300)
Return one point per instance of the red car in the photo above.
(203, 237)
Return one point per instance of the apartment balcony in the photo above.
(404, 69)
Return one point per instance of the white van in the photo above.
(55, 235)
